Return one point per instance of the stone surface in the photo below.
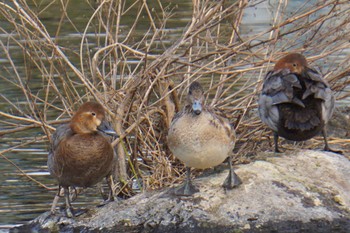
(298, 191)
(339, 125)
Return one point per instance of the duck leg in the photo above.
(275, 139)
(109, 179)
(73, 195)
(326, 146)
(187, 189)
(110, 198)
(69, 210)
(102, 192)
(55, 200)
(232, 179)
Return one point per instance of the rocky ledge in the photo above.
(303, 191)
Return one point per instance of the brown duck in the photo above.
(296, 102)
(81, 155)
(201, 139)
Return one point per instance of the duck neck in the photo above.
(80, 129)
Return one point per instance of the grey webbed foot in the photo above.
(69, 212)
(105, 202)
(232, 179)
(327, 148)
(277, 150)
(187, 189)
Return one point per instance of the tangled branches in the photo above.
(140, 74)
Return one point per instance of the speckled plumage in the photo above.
(207, 141)
(200, 138)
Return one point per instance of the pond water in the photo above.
(22, 200)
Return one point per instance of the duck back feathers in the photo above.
(295, 105)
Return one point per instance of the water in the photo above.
(22, 200)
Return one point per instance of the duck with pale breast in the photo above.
(81, 154)
(201, 139)
(296, 102)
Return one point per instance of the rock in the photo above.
(302, 191)
(339, 125)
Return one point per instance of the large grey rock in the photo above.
(339, 125)
(304, 191)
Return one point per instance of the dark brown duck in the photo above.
(296, 102)
(81, 155)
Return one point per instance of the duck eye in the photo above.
(94, 114)
(295, 65)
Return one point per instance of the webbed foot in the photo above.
(187, 189)
(327, 148)
(69, 212)
(232, 180)
(105, 202)
(278, 151)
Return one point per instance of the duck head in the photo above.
(88, 118)
(295, 62)
(195, 97)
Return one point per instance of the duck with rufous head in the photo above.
(81, 154)
(296, 102)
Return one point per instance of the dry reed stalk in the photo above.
(142, 86)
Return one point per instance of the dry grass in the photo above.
(142, 83)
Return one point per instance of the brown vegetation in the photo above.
(142, 82)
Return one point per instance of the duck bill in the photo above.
(110, 132)
(105, 127)
(197, 107)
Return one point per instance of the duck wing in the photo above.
(61, 133)
(279, 87)
(318, 87)
(221, 120)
